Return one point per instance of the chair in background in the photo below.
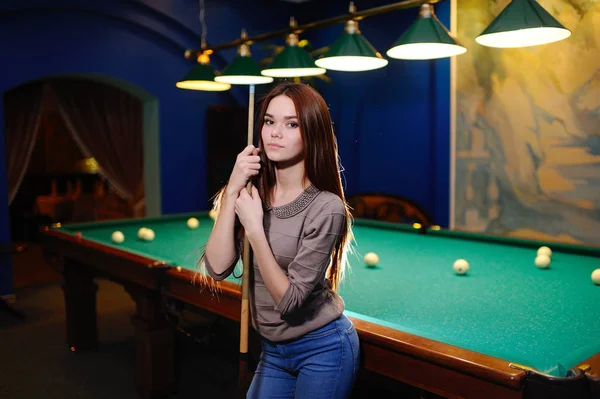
(388, 208)
(58, 206)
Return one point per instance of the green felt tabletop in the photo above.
(504, 306)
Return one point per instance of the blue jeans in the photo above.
(319, 365)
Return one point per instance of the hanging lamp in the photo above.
(293, 61)
(243, 70)
(426, 39)
(352, 52)
(202, 76)
(523, 23)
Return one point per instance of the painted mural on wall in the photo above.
(528, 129)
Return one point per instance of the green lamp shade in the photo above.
(243, 70)
(352, 52)
(522, 23)
(202, 77)
(293, 61)
(426, 39)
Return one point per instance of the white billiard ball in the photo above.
(371, 259)
(193, 223)
(460, 266)
(118, 237)
(213, 214)
(596, 276)
(148, 235)
(141, 233)
(544, 251)
(542, 261)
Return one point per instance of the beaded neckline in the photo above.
(297, 205)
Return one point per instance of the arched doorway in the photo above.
(81, 148)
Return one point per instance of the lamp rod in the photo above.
(400, 5)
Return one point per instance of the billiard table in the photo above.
(506, 329)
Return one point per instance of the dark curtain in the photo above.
(106, 124)
(22, 116)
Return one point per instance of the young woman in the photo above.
(298, 225)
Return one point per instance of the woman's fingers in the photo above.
(249, 150)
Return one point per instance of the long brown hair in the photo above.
(321, 161)
(320, 155)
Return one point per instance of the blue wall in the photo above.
(392, 124)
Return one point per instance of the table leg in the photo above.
(155, 345)
(80, 306)
(594, 381)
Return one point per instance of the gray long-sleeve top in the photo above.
(301, 235)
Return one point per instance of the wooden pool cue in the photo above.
(243, 383)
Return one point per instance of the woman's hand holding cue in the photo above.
(247, 164)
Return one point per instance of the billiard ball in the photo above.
(213, 214)
(371, 259)
(141, 233)
(193, 223)
(118, 237)
(544, 251)
(148, 235)
(542, 261)
(596, 276)
(460, 266)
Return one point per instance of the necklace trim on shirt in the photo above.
(296, 206)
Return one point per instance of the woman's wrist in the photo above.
(228, 201)
(255, 234)
(231, 193)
